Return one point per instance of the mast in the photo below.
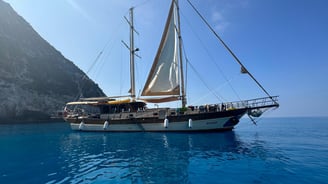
(183, 92)
(132, 50)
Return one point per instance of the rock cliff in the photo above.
(35, 79)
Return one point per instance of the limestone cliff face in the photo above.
(35, 79)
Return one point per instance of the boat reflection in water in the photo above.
(157, 157)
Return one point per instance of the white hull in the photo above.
(217, 124)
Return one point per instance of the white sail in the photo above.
(163, 78)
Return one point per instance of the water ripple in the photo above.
(279, 153)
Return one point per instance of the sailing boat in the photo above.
(165, 83)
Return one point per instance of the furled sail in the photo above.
(163, 78)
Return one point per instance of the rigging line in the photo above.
(141, 4)
(101, 60)
(213, 60)
(107, 51)
(187, 62)
(219, 97)
(98, 56)
(95, 61)
(217, 89)
(137, 78)
(230, 51)
(81, 83)
(101, 52)
(193, 68)
(99, 69)
(122, 52)
(85, 76)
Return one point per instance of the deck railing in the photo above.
(251, 104)
(255, 103)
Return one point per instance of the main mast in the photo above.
(183, 92)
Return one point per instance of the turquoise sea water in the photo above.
(277, 150)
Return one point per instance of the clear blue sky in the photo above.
(283, 43)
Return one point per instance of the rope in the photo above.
(203, 81)
(230, 51)
(213, 60)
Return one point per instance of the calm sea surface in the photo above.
(277, 150)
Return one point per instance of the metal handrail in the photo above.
(255, 103)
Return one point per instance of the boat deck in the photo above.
(162, 113)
